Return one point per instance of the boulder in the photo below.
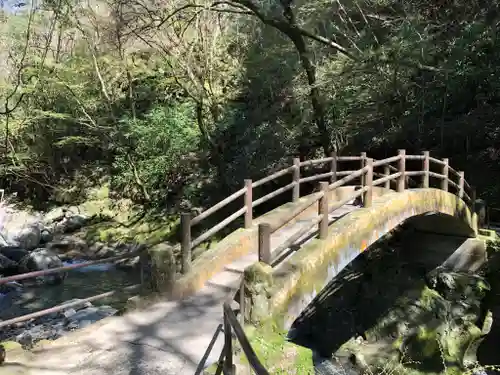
(27, 237)
(43, 259)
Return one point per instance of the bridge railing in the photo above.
(371, 173)
(29, 275)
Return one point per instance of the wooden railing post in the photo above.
(425, 169)
(296, 178)
(248, 203)
(387, 172)
(186, 242)
(445, 172)
(401, 169)
(368, 194)
(265, 243)
(473, 198)
(461, 181)
(363, 163)
(228, 347)
(323, 210)
(333, 167)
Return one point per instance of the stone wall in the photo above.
(284, 292)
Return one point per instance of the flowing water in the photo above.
(80, 283)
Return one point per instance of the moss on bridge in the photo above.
(298, 280)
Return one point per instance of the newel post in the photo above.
(323, 210)
(368, 194)
(186, 242)
(333, 167)
(425, 169)
(296, 179)
(461, 183)
(363, 163)
(248, 203)
(444, 181)
(265, 243)
(401, 169)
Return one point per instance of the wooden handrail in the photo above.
(231, 325)
(398, 174)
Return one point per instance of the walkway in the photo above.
(167, 338)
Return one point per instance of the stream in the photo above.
(79, 283)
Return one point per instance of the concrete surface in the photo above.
(168, 338)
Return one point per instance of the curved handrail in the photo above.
(401, 177)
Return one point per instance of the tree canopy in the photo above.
(178, 101)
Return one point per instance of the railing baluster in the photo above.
(186, 242)
(228, 347)
(461, 175)
(265, 243)
(401, 169)
(363, 163)
(425, 168)
(296, 178)
(248, 203)
(333, 167)
(445, 173)
(323, 210)
(387, 172)
(368, 194)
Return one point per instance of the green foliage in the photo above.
(161, 144)
(185, 109)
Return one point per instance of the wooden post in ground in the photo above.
(401, 169)
(265, 243)
(425, 169)
(445, 173)
(333, 167)
(248, 203)
(323, 210)
(186, 242)
(368, 194)
(296, 178)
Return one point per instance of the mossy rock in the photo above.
(11, 345)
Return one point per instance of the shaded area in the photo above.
(365, 290)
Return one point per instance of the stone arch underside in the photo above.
(297, 282)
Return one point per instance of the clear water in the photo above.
(81, 283)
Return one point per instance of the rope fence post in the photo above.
(248, 203)
(402, 170)
(461, 180)
(368, 194)
(387, 172)
(186, 242)
(333, 167)
(265, 243)
(323, 210)
(445, 173)
(425, 168)
(363, 163)
(296, 178)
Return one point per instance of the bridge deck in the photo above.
(168, 338)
